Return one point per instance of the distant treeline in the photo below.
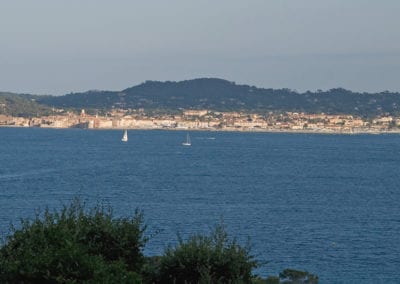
(21, 105)
(222, 95)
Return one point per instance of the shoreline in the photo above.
(283, 131)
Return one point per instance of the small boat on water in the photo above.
(187, 143)
(125, 136)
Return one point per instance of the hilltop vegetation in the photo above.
(221, 95)
(21, 105)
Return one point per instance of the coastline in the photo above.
(205, 120)
(227, 129)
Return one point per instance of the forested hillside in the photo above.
(21, 105)
(214, 94)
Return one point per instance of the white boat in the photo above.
(125, 136)
(187, 143)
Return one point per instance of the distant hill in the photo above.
(222, 95)
(21, 105)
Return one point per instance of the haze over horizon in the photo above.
(58, 47)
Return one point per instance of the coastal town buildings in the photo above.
(210, 120)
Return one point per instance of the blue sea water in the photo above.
(328, 204)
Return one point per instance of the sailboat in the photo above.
(125, 136)
(187, 143)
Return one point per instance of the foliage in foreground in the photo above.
(289, 276)
(207, 259)
(74, 245)
(77, 245)
(296, 276)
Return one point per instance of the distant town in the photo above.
(210, 120)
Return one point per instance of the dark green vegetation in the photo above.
(77, 245)
(20, 105)
(222, 95)
(211, 259)
(297, 276)
(73, 246)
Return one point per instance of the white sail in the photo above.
(125, 136)
(187, 143)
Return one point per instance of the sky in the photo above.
(62, 46)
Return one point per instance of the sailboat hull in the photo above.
(187, 143)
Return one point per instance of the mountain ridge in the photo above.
(223, 95)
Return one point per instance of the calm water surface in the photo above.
(328, 204)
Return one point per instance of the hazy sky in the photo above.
(62, 46)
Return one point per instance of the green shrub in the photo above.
(269, 280)
(74, 245)
(206, 259)
(151, 269)
(77, 245)
(297, 276)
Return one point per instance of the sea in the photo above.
(326, 204)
